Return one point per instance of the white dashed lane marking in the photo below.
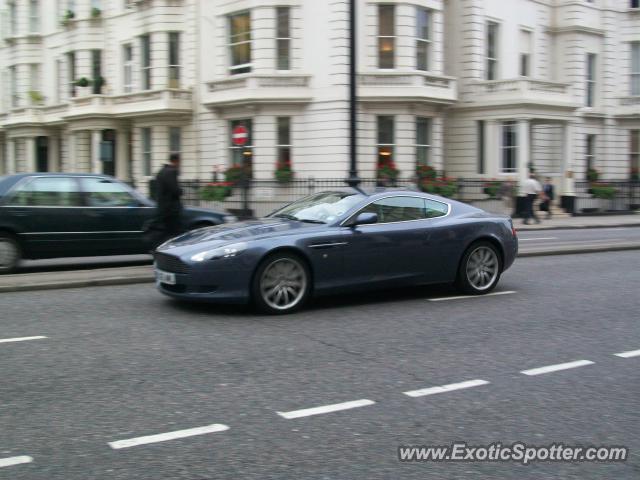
(537, 238)
(446, 388)
(632, 353)
(557, 367)
(21, 339)
(163, 437)
(307, 412)
(11, 461)
(461, 297)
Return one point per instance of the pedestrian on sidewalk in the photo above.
(168, 221)
(548, 197)
(532, 189)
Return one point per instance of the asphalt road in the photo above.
(121, 363)
(530, 240)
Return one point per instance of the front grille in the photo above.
(169, 263)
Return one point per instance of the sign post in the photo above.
(240, 137)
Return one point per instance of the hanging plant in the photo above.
(234, 174)
(96, 12)
(283, 172)
(67, 17)
(216, 191)
(83, 82)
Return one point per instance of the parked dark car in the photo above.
(48, 215)
(339, 241)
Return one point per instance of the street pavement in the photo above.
(123, 362)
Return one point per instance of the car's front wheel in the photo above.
(281, 283)
(480, 269)
(10, 253)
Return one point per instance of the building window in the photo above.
(145, 54)
(13, 19)
(492, 51)
(146, 151)
(127, 55)
(591, 80)
(525, 53)
(34, 16)
(175, 140)
(423, 141)
(97, 4)
(386, 142)
(240, 43)
(509, 147)
(13, 78)
(386, 36)
(71, 73)
(242, 155)
(174, 60)
(423, 38)
(634, 4)
(34, 83)
(481, 146)
(284, 141)
(634, 154)
(635, 68)
(283, 38)
(96, 72)
(590, 152)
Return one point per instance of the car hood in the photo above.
(250, 230)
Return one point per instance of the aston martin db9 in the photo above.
(335, 242)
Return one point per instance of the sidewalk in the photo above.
(596, 221)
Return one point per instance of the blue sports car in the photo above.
(339, 241)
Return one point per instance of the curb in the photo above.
(522, 228)
(149, 278)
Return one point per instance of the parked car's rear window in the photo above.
(47, 192)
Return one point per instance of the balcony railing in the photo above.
(521, 90)
(254, 88)
(414, 86)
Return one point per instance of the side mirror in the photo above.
(365, 219)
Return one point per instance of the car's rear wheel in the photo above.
(480, 269)
(10, 253)
(281, 283)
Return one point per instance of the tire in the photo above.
(480, 269)
(281, 284)
(10, 253)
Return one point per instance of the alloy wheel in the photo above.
(283, 284)
(482, 268)
(9, 254)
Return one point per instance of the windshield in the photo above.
(324, 207)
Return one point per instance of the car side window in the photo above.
(102, 192)
(436, 209)
(397, 209)
(46, 192)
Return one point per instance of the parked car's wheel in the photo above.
(10, 253)
(480, 269)
(281, 284)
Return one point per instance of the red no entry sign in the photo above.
(240, 135)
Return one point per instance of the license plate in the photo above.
(165, 277)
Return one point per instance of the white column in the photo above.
(491, 148)
(524, 152)
(96, 138)
(122, 150)
(54, 153)
(72, 161)
(30, 154)
(11, 156)
(568, 166)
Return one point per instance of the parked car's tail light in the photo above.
(227, 251)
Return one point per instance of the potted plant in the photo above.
(603, 190)
(634, 175)
(36, 97)
(83, 82)
(216, 191)
(386, 172)
(492, 188)
(67, 17)
(426, 171)
(234, 174)
(98, 83)
(592, 175)
(283, 172)
(96, 12)
(443, 186)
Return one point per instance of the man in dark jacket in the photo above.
(549, 196)
(167, 196)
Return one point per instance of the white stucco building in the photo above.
(479, 88)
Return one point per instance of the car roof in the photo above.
(54, 174)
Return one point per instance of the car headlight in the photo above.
(227, 251)
(229, 219)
